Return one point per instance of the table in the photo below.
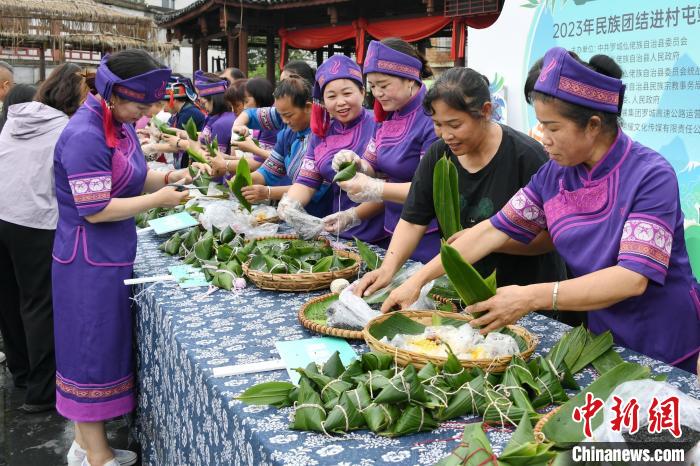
(188, 417)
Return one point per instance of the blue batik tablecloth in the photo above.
(188, 417)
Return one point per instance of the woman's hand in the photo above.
(200, 167)
(246, 145)
(341, 221)
(373, 281)
(168, 196)
(217, 165)
(256, 193)
(508, 305)
(176, 143)
(363, 188)
(403, 296)
(239, 130)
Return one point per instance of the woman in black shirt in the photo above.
(493, 161)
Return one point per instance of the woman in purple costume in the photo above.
(338, 122)
(394, 70)
(100, 174)
(220, 118)
(612, 209)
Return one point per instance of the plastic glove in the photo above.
(346, 156)
(288, 203)
(149, 149)
(341, 221)
(363, 188)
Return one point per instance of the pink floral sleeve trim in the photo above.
(91, 190)
(647, 239)
(525, 214)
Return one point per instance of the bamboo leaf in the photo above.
(470, 286)
(595, 347)
(446, 196)
(606, 361)
(369, 257)
(347, 171)
(241, 179)
(191, 129)
(395, 324)
(268, 393)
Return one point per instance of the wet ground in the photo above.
(41, 439)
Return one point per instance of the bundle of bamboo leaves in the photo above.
(297, 256)
(219, 253)
(142, 218)
(392, 401)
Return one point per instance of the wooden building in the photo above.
(47, 29)
(325, 26)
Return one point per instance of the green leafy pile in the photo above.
(296, 256)
(142, 218)
(219, 253)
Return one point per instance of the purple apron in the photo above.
(317, 168)
(625, 212)
(394, 152)
(92, 314)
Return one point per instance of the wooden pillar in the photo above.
(462, 62)
(270, 58)
(195, 55)
(231, 51)
(319, 57)
(42, 61)
(243, 51)
(204, 57)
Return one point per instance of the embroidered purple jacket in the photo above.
(394, 152)
(317, 170)
(626, 212)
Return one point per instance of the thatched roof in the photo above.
(76, 22)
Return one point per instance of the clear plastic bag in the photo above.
(350, 311)
(423, 302)
(305, 225)
(644, 391)
(222, 213)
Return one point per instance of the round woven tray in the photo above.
(303, 281)
(403, 357)
(539, 435)
(339, 332)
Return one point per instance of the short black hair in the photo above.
(303, 69)
(235, 73)
(235, 93)
(462, 89)
(579, 114)
(19, 94)
(63, 89)
(261, 90)
(296, 88)
(128, 63)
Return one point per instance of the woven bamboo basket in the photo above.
(539, 435)
(303, 281)
(404, 357)
(339, 332)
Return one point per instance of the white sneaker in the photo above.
(112, 462)
(2, 357)
(77, 457)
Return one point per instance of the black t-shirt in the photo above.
(483, 194)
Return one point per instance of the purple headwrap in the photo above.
(145, 88)
(563, 77)
(205, 87)
(336, 67)
(384, 59)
